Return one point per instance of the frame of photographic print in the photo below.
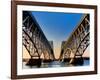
(16, 67)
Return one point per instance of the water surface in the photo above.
(56, 64)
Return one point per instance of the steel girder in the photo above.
(78, 41)
(34, 39)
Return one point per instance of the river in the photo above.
(56, 64)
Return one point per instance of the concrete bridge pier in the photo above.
(34, 62)
(77, 61)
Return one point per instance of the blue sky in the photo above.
(57, 26)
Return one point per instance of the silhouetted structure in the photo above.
(35, 41)
(74, 47)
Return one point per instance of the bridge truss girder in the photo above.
(34, 39)
(78, 41)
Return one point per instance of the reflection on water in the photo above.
(55, 64)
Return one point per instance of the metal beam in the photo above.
(79, 39)
(39, 43)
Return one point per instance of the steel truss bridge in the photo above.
(34, 39)
(78, 41)
(37, 44)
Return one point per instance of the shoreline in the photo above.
(27, 59)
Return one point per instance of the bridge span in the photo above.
(74, 47)
(35, 41)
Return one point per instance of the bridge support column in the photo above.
(77, 61)
(66, 59)
(34, 62)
